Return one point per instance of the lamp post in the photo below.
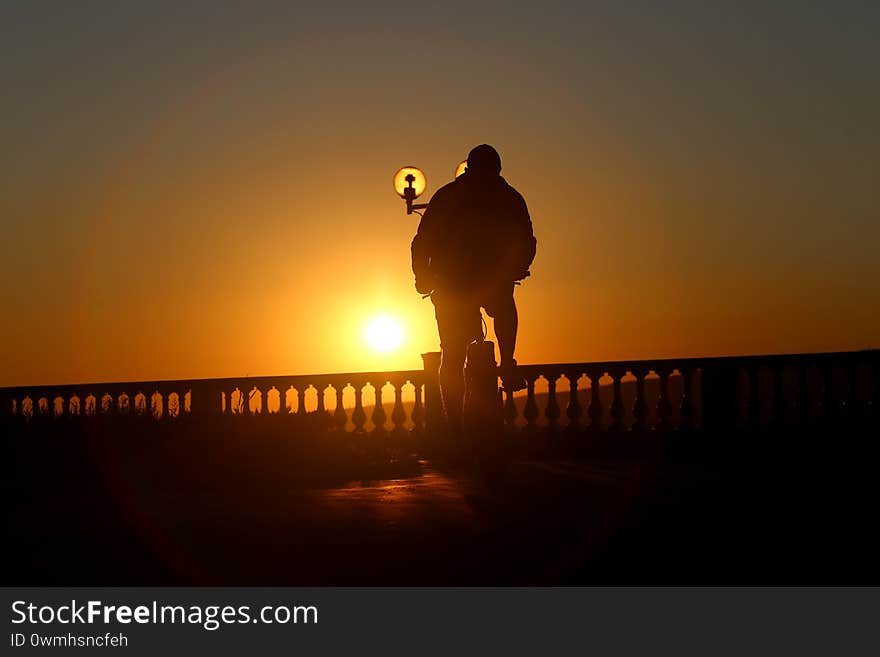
(410, 183)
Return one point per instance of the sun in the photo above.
(383, 333)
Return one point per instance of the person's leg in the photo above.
(456, 326)
(506, 321)
(502, 308)
(452, 384)
(506, 324)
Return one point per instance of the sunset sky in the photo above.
(205, 190)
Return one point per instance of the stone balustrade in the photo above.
(689, 394)
(349, 402)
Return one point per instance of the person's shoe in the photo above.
(511, 379)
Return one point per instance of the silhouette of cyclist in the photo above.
(474, 242)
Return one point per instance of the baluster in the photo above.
(358, 416)
(418, 411)
(851, 400)
(263, 395)
(300, 401)
(379, 416)
(640, 406)
(203, 399)
(778, 405)
(829, 412)
(753, 401)
(664, 406)
(340, 417)
(687, 404)
(856, 407)
(803, 397)
(595, 411)
(530, 412)
(265, 408)
(618, 410)
(870, 393)
(573, 410)
(321, 410)
(398, 415)
(874, 383)
(551, 412)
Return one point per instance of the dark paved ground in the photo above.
(435, 527)
(800, 513)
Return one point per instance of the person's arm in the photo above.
(422, 246)
(524, 237)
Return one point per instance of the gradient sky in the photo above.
(205, 190)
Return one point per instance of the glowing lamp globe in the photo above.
(461, 168)
(410, 177)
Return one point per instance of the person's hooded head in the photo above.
(484, 161)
